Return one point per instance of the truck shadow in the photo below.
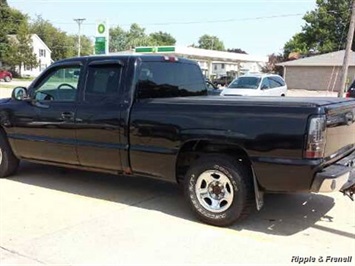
(282, 214)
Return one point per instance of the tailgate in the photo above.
(340, 132)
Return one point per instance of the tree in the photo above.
(86, 45)
(61, 44)
(20, 52)
(162, 38)
(271, 67)
(118, 39)
(10, 19)
(237, 50)
(325, 29)
(56, 40)
(210, 42)
(121, 40)
(136, 36)
(51, 36)
(4, 3)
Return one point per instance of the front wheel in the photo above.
(7, 79)
(219, 189)
(8, 161)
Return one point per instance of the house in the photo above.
(320, 72)
(43, 54)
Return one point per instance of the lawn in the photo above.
(6, 86)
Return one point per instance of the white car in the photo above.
(256, 85)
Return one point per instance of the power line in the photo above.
(222, 20)
(183, 22)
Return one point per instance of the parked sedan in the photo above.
(5, 75)
(256, 85)
(351, 91)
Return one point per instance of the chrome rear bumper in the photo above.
(336, 177)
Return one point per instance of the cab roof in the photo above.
(157, 58)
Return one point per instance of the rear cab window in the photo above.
(102, 83)
(165, 79)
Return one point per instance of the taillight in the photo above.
(316, 137)
(347, 95)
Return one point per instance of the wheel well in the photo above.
(3, 132)
(193, 150)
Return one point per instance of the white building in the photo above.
(231, 69)
(213, 63)
(43, 55)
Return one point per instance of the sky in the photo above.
(259, 27)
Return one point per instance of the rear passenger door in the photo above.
(277, 86)
(98, 116)
(265, 87)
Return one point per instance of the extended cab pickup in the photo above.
(151, 116)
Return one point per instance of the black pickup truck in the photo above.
(151, 116)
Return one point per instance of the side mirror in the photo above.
(264, 87)
(19, 93)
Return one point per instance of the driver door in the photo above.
(50, 136)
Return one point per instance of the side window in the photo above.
(167, 79)
(102, 83)
(265, 83)
(280, 80)
(276, 82)
(59, 85)
(352, 86)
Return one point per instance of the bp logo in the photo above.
(101, 28)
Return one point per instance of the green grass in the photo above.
(5, 86)
(23, 79)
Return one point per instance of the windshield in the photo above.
(245, 83)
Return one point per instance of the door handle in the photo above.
(68, 115)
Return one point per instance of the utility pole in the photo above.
(344, 71)
(79, 21)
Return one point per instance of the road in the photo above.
(50, 215)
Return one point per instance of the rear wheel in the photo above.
(219, 190)
(7, 78)
(8, 161)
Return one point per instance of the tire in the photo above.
(7, 79)
(219, 190)
(8, 161)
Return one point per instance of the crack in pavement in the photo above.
(21, 255)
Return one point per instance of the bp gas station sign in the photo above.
(101, 38)
(101, 28)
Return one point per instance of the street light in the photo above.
(79, 21)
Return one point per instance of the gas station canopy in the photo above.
(202, 54)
